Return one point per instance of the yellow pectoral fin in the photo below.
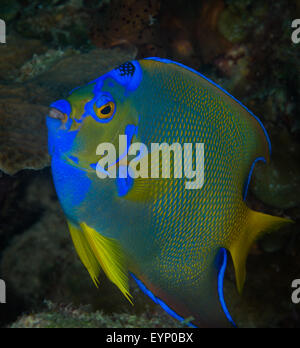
(96, 252)
(257, 225)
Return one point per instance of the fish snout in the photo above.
(57, 114)
(58, 123)
(60, 110)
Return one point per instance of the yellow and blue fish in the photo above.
(171, 240)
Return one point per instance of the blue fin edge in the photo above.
(168, 61)
(220, 286)
(158, 301)
(246, 187)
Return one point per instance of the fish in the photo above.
(174, 241)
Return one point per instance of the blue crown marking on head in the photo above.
(128, 75)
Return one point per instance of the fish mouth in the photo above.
(58, 115)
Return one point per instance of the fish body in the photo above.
(171, 239)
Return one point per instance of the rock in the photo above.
(126, 21)
(13, 204)
(39, 64)
(211, 43)
(62, 24)
(79, 69)
(58, 316)
(23, 136)
(15, 53)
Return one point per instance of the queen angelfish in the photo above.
(172, 240)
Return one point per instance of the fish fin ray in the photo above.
(109, 255)
(257, 225)
(85, 252)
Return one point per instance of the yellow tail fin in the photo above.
(257, 225)
(95, 250)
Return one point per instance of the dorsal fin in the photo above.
(168, 61)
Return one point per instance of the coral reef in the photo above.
(23, 144)
(41, 63)
(57, 316)
(17, 53)
(60, 23)
(130, 21)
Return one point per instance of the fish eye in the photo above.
(106, 111)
